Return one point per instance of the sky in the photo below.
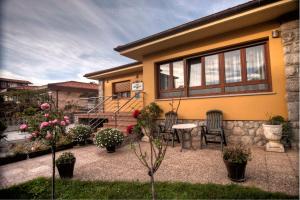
(47, 41)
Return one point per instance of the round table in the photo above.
(185, 129)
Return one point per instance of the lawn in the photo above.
(40, 188)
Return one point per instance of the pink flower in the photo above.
(46, 115)
(35, 134)
(67, 121)
(55, 121)
(23, 127)
(50, 123)
(48, 136)
(44, 124)
(63, 123)
(66, 118)
(29, 138)
(45, 106)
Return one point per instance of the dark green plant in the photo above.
(109, 137)
(148, 116)
(276, 120)
(237, 154)
(80, 133)
(65, 158)
(30, 111)
(2, 129)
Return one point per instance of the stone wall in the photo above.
(236, 132)
(290, 41)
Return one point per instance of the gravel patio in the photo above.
(268, 171)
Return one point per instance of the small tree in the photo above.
(158, 146)
(47, 126)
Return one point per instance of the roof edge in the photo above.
(198, 22)
(112, 69)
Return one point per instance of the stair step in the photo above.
(123, 123)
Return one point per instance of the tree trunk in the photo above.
(152, 186)
(53, 171)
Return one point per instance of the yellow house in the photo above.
(242, 61)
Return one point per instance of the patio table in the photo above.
(185, 130)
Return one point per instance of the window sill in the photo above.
(220, 96)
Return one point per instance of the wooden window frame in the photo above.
(222, 81)
(115, 96)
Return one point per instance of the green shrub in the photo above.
(237, 154)
(80, 133)
(66, 157)
(2, 129)
(276, 120)
(30, 111)
(109, 137)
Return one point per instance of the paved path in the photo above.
(268, 171)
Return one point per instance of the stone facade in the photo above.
(290, 41)
(236, 132)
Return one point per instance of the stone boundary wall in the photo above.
(290, 42)
(236, 132)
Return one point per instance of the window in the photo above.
(164, 76)
(178, 74)
(229, 71)
(121, 89)
(212, 70)
(233, 72)
(195, 74)
(255, 63)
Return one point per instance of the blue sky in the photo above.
(46, 41)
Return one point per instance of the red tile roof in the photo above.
(75, 84)
(14, 80)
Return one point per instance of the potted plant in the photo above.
(81, 133)
(235, 159)
(273, 133)
(109, 138)
(65, 165)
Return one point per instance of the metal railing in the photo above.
(114, 106)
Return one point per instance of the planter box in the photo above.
(64, 147)
(39, 153)
(12, 159)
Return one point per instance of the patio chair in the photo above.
(213, 128)
(166, 130)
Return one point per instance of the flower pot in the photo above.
(111, 149)
(66, 170)
(236, 171)
(81, 143)
(273, 134)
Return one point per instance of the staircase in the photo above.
(110, 112)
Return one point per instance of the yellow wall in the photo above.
(255, 107)
(108, 87)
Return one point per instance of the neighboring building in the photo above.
(65, 95)
(71, 93)
(11, 83)
(243, 61)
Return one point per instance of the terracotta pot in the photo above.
(236, 171)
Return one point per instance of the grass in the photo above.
(40, 188)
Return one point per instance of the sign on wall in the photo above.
(137, 86)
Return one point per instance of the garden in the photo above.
(49, 133)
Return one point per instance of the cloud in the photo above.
(51, 40)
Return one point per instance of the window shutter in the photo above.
(122, 86)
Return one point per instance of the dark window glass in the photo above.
(164, 74)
